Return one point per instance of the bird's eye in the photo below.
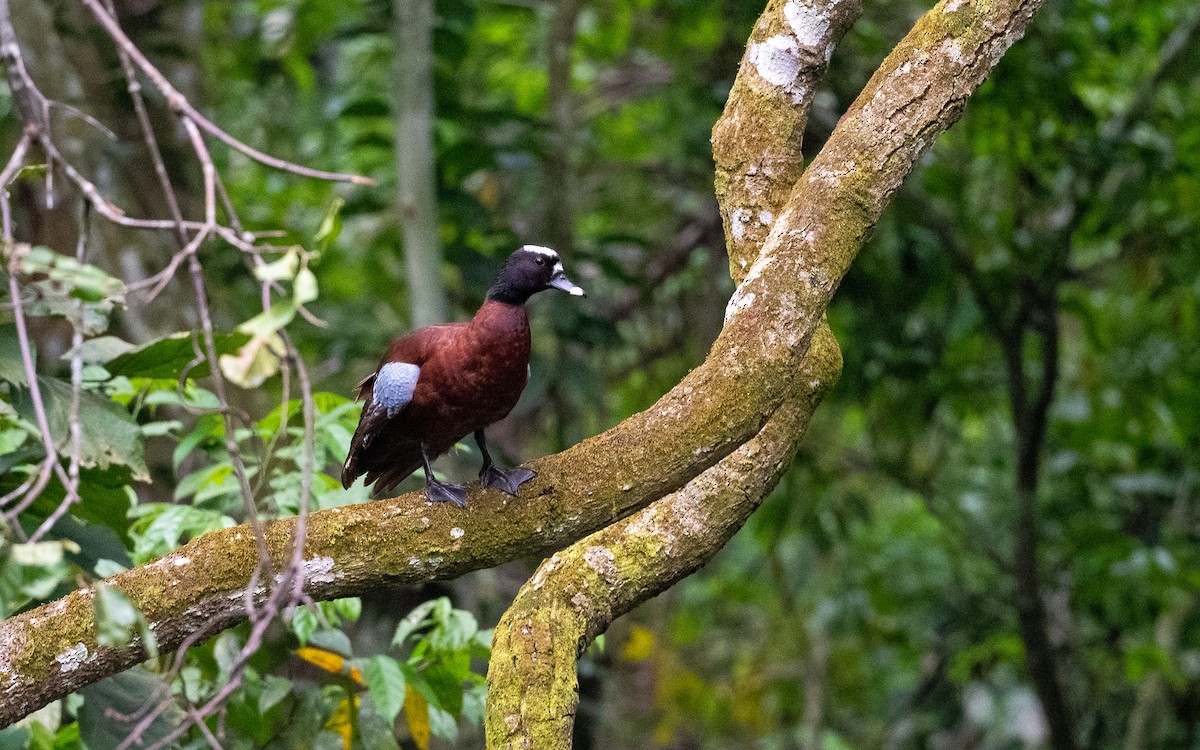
(540, 261)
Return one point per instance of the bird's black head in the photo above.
(528, 271)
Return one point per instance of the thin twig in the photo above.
(74, 423)
(179, 103)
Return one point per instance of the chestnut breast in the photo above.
(475, 379)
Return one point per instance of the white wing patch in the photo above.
(394, 386)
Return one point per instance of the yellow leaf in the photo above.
(330, 662)
(640, 644)
(341, 722)
(416, 713)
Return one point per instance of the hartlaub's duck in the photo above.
(439, 384)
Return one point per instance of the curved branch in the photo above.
(533, 685)
(576, 594)
(756, 142)
(916, 94)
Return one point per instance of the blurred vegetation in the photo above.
(1047, 245)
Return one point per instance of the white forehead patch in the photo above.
(394, 385)
(540, 251)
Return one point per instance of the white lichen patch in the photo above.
(320, 570)
(73, 658)
(545, 569)
(580, 602)
(180, 561)
(777, 59)
(809, 24)
(737, 303)
(765, 218)
(737, 223)
(456, 533)
(953, 51)
(603, 561)
(954, 5)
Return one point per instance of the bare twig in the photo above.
(74, 424)
(179, 103)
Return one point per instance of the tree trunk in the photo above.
(416, 179)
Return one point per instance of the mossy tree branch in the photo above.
(916, 94)
(577, 593)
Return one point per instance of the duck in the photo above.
(439, 384)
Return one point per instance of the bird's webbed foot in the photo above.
(505, 480)
(444, 492)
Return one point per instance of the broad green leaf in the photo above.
(102, 349)
(412, 621)
(12, 366)
(169, 357)
(266, 323)
(124, 694)
(274, 690)
(41, 553)
(385, 680)
(56, 283)
(159, 528)
(110, 435)
(116, 617)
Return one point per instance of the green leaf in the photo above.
(386, 684)
(41, 553)
(271, 320)
(349, 608)
(443, 724)
(167, 358)
(160, 527)
(110, 435)
(412, 621)
(331, 226)
(304, 624)
(102, 349)
(32, 170)
(116, 617)
(124, 694)
(12, 366)
(118, 621)
(55, 285)
(274, 690)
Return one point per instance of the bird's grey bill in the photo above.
(560, 281)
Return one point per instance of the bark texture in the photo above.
(575, 594)
(916, 94)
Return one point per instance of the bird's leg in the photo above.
(505, 480)
(441, 492)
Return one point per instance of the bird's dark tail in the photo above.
(385, 466)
